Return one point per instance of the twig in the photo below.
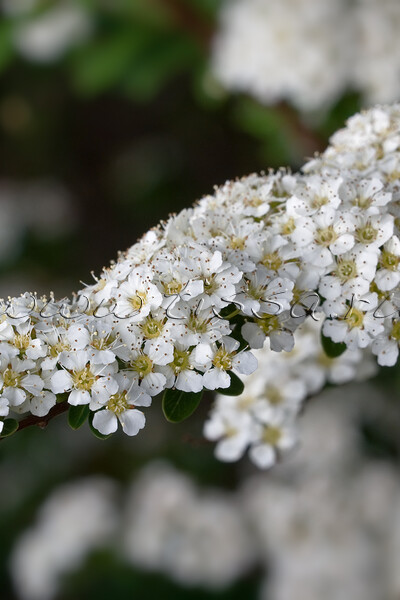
(189, 19)
(310, 141)
(42, 422)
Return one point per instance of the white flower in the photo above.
(233, 430)
(215, 361)
(120, 406)
(98, 338)
(260, 293)
(137, 296)
(326, 234)
(180, 371)
(17, 381)
(364, 196)
(386, 345)
(350, 275)
(354, 324)
(276, 435)
(144, 365)
(387, 276)
(85, 381)
(277, 328)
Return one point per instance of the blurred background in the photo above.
(113, 114)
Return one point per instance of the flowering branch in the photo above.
(190, 306)
(42, 422)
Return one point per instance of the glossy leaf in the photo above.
(178, 406)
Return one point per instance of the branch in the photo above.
(42, 422)
(189, 19)
(310, 141)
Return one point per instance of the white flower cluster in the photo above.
(367, 154)
(309, 52)
(77, 518)
(264, 418)
(197, 537)
(328, 519)
(182, 309)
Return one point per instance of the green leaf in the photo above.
(236, 387)
(6, 45)
(163, 57)
(10, 426)
(101, 65)
(77, 415)
(332, 349)
(178, 406)
(95, 432)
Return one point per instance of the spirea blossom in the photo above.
(308, 52)
(186, 307)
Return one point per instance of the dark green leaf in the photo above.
(95, 432)
(100, 66)
(178, 406)
(332, 349)
(10, 427)
(77, 415)
(6, 45)
(236, 387)
(163, 57)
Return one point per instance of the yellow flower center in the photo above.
(273, 395)
(355, 318)
(152, 328)
(210, 285)
(83, 379)
(256, 291)
(138, 300)
(118, 403)
(271, 435)
(11, 378)
(367, 234)
(324, 360)
(395, 333)
(319, 201)
(346, 269)
(237, 243)
(57, 348)
(222, 359)
(143, 365)
(22, 342)
(272, 261)
(172, 287)
(288, 227)
(326, 236)
(389, 261)
(255, 202)
(362, 202)
(181, 361)
(269, 324)
(197, 325)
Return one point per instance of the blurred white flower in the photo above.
(74, 520)
(196, 538)
(283, 49)
(46, 37)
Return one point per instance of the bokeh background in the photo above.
(113, 114)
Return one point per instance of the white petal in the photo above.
(132, 421)
(61, 382)
(79, 397)
(105, 421)
(262, 455)
(245, 363)
(40, 405)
